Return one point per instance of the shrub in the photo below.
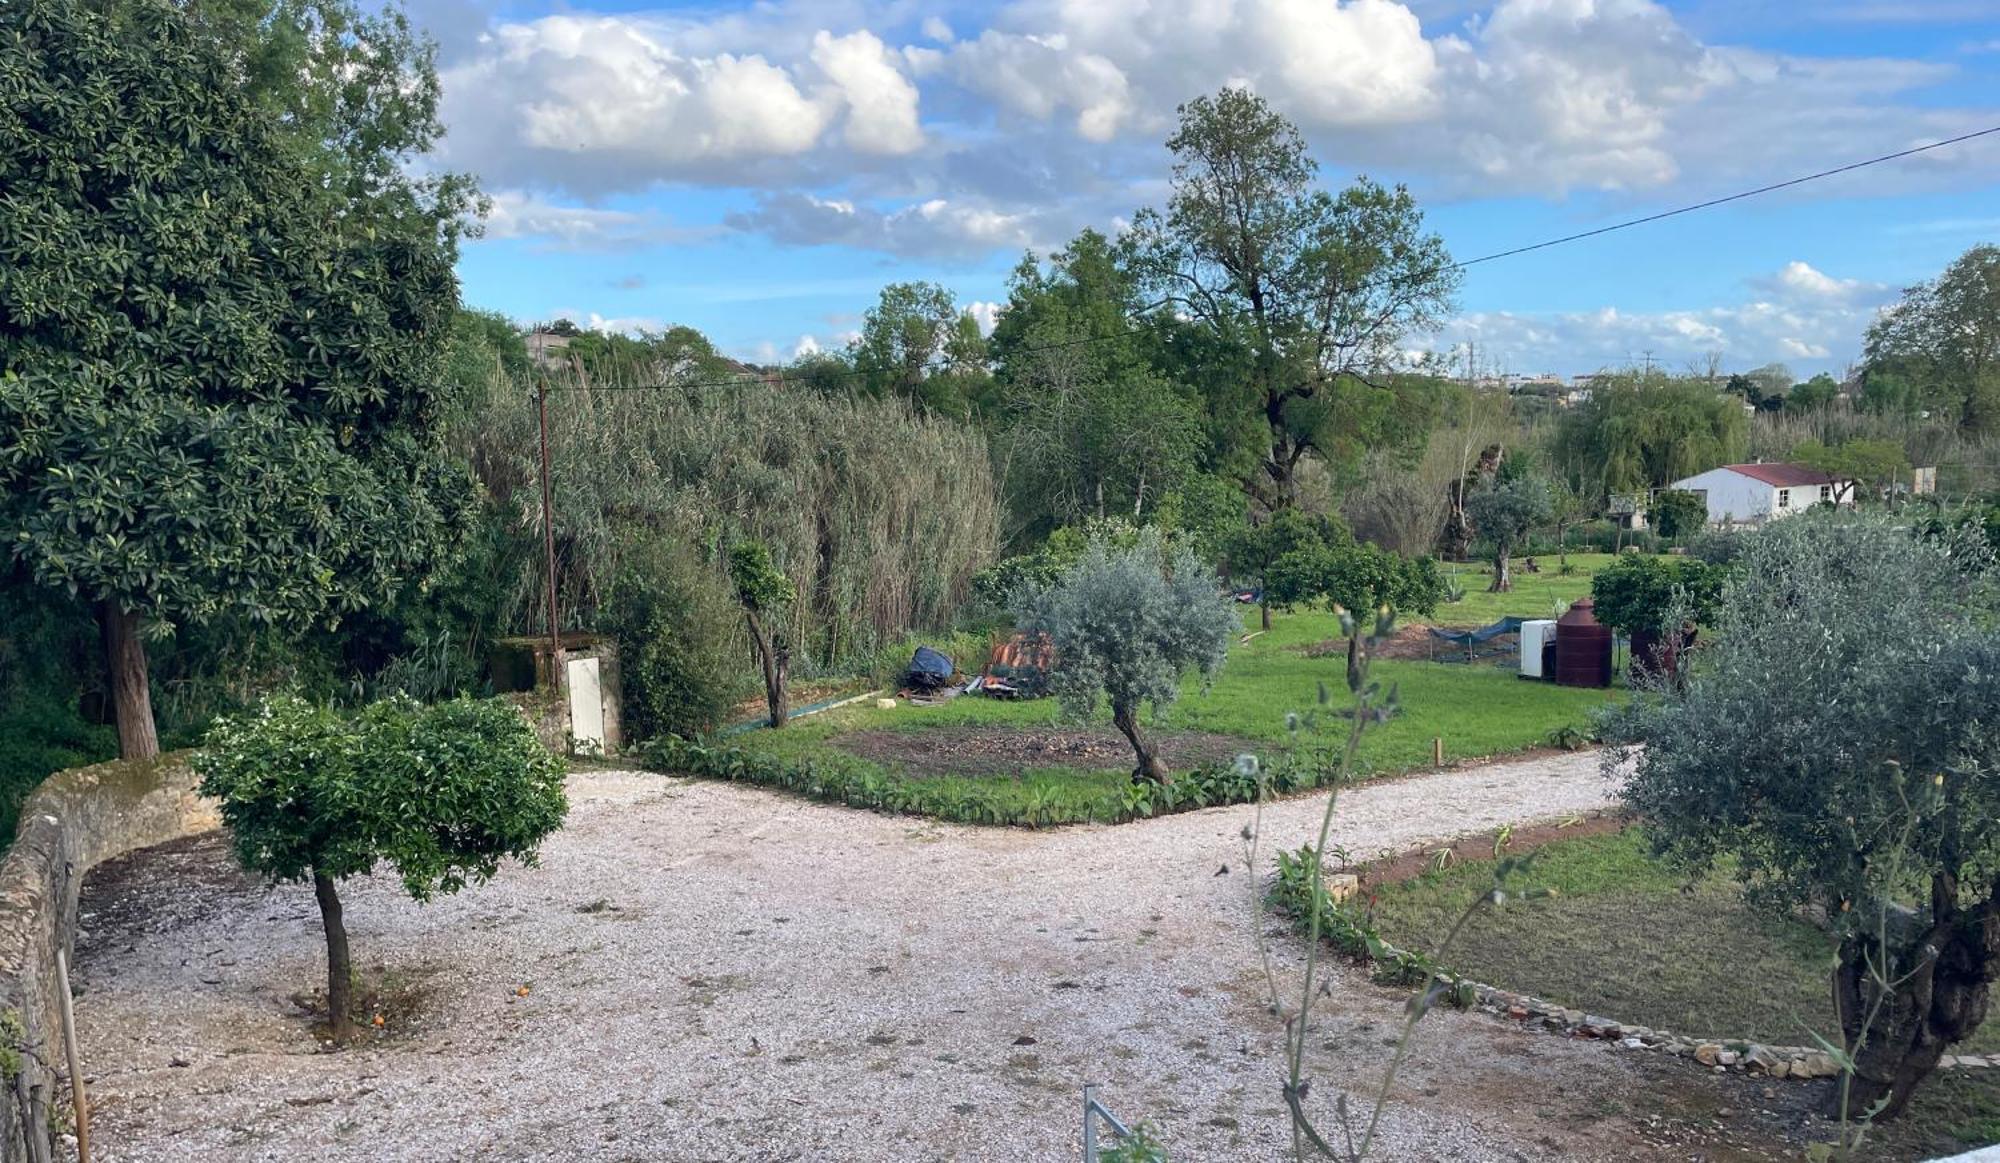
(1358, 577)
(442, 793)
(677, 651)
(1678, 514)
(1635, 593)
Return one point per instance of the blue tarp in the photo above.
(1481, 636)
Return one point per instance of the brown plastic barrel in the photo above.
(1583, 647)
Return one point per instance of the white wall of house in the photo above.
(1735, 498)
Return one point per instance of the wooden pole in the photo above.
(1437, 751)
(78, 1099)
(549, 541)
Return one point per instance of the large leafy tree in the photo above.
(1504, 512)
(1308, 294)
(1941, 343)
(224, 306)
(916, 343)
(1836, 747)
(1128, 623)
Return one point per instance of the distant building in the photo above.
(1751, 494)
(547, 349)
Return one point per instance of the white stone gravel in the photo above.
(775, 979)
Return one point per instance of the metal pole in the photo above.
(1089, 1123)
(549, 540)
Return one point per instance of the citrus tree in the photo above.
(224, 301)
(442, 793)
(765, 592)
(1127, 624)
(1835, 747)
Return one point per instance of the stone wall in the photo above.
(72, 822)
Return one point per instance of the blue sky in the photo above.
(759, 171)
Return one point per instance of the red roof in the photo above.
(1784, 476)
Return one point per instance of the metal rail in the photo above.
(1092, 1112)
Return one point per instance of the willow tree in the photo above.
(1316, 290)
(1643, 431)
(223, 306)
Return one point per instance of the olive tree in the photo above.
(1836, 747)
(1505, 512)
(1127, 624)
(765, 591)
(225, 297)
(442, 793)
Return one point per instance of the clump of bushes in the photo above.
(679, 654)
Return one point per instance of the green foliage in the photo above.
(760, 585)
(442, 793)
(1356, 577)
(1350, 931)
(1940, 346)
(215, 387)
(916, 344)
(1129, 623)
(1285, 291)
(1636, 592)
(878, 514)
(680, 662)
(41, 733)
(1505, 511)
(1817, 392)
(1677, 514)
(1141, 1146)
(1251, 551)
(1638, 432)
(1870, 464)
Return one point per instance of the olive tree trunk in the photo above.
(777, 663)
(1940, 975)
(1151, 766)
(131, 692)
(1503, 572)
(339, 966)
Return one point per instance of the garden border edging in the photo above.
(75, 820)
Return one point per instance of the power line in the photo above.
(1452, 266)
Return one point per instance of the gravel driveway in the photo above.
(721, 973)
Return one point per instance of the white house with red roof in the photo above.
(1751, 494)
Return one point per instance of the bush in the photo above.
(1635, 593)
(41, 734)
(443, 793)
(1677, 514)
(679, 652)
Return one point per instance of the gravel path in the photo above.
(720, 973)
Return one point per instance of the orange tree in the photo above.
(224, 305)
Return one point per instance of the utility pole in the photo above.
(556, 675)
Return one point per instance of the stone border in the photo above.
(74, 821)
(1722, 1055)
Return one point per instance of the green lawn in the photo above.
(1478, 710)
(1627, 938)
(1535, 595)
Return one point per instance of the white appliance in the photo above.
(1534, 636)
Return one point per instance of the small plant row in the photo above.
(861, 783)
(1351, 933)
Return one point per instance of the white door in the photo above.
(586, 707)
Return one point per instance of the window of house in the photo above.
(1784, 498)
(1825, 494)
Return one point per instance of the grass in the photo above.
(1535, 595)
(1477, 710)
(1627, 938)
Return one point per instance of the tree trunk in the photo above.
(1151, 766)
(1264, 612)
(131, 693)
(777, 664)
(1503, 574)
(339, 967)
(1942, 976)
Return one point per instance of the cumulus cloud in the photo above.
(515, 214)
(985, 313)
(1797, 314)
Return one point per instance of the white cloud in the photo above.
(881, 101)
(806, 346)
(1799, 314)
(985, 313)
(935, 226)
(515, 214)
(935, 28)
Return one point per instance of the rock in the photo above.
(1518, 1013)
(1974, 1063)
(1782, 1068)
(1759, 1059)
(1815, 1065)
(1572, 1017)
(1342, 886)
(1633, 1043)
(1728, 1058)
(1708, 1054)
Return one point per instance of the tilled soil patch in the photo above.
(1010, 750)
